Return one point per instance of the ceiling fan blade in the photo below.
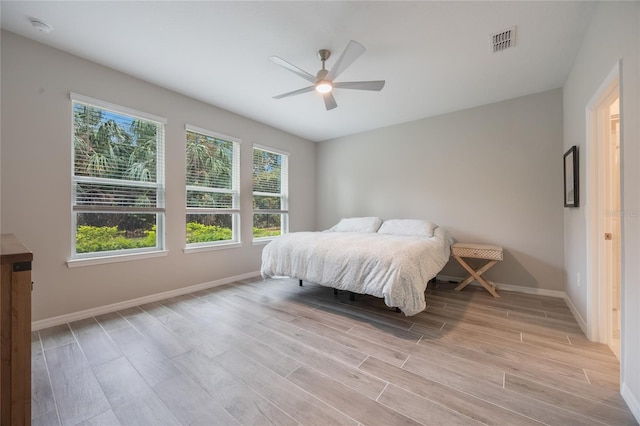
(348, 56)
(299, 72)
(361, 85)
(295, 92)
(329, 101)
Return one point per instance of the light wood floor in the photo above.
(271, 352)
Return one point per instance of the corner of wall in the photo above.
(576, 314)
(631, 400)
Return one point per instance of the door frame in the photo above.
(599, 299)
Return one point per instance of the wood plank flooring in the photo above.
(271, 352)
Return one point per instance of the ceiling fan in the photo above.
(324, 81)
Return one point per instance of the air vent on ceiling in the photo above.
(503, 40)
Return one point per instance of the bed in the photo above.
(393, 260)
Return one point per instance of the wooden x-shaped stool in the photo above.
(477, 251)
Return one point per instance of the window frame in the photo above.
(236, 241)
(108, 256)
(283, 195)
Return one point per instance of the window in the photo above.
(213, 182)
(270, 193)
(118, 180)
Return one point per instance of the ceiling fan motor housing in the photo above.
(324, 54)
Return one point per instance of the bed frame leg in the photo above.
(433, 281)
(335, 291)
(300, 283)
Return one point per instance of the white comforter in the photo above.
(396, 268)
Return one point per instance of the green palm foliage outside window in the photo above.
(118, 181)
(270, 193)
(212, 171)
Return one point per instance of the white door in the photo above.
(604, 213)
(613, 217)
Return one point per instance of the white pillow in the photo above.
(408, 227)
(358, 224)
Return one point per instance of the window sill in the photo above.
(262, 242)
(100, 260)
(198, 249)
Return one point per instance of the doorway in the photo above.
(604, 213)
(614, 218)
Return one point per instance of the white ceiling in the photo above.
(434, 56)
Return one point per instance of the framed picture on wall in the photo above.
(571, 181)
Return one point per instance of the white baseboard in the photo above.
(514, 288)
(581, 322)
(88, 313)
(631, 400)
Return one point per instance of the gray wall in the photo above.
(491, 174)
(612, 35)
(36, 179)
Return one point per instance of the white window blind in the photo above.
(213, 183)
(118, 179)
(270, 192)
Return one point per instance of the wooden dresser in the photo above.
(15, 333)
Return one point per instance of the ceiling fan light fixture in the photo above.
(324, 86)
